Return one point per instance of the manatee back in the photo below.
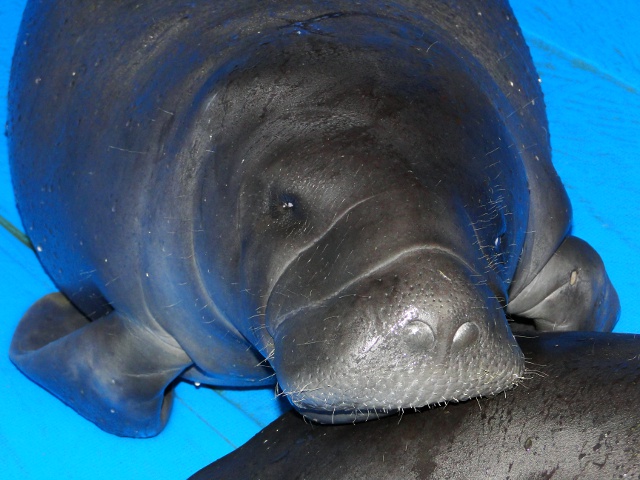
(101, 93)
(574, 416)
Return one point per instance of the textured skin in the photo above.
(576, 416)
(356, 195)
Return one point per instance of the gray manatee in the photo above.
(353, 198)
(575, 416)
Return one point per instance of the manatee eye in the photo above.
(286, 212)
(283, 204)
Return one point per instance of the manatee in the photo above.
(353, 200)
(575, 416)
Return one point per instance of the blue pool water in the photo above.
(588, 57)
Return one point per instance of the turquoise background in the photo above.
(588, 56)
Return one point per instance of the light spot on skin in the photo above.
(39, 248)
(574, 278)
(528, 444)
(443, 275)
(371, 343)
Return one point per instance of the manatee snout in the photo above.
(421, 330)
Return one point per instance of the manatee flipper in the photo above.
(113, 371)
(571, 292)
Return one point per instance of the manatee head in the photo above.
(369, 199)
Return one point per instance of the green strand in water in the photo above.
(15, 232)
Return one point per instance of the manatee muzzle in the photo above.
(424, 329)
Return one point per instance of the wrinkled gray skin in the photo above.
(575, 416)
(361, 194)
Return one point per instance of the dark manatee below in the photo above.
(575, 416)
(353, 198)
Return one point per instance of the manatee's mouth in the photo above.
(419, 329)
(320, 405)
(354, 412)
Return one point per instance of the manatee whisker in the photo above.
(313, 342)
(527, 361)
(536, 372)
(273, 375)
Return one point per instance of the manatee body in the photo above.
(352, 199)
(575, 416)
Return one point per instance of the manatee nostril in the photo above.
(466, 335)
(419, 335)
